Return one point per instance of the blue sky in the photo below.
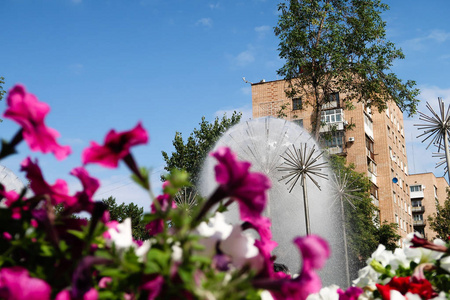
(110, 63)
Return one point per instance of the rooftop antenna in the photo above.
(246, 81)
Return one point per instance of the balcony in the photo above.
(335, 150)
(418, 209)
(370, 154)
(332, 126)
(418, 194)
(419, 223)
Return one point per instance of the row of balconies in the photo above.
(418, 209)
(419, 223)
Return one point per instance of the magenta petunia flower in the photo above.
(153, 285)
(15, 284)
(26, 110)
(58, 192)
(157, 226)
(352, 293)
(84, 197)
(238, 182)
(315, 251)
(117, 145)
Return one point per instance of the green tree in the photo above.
(131, 210)
(362, 224)
(340, 46)
(440, 221)
(189, 156)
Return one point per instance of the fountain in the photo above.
(266, 143)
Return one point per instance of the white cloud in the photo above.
(436, 35)
(262, 30)
(76, 68)
(243, 59)
(214, 6)
(245, 110)
(207, 22)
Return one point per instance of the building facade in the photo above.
(374, 142)
(427, 190)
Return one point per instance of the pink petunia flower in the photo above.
(117, 145)
(15, 284)
(26, 110)
(157, 226)
(84, 197)
(153, 285)
(238, 182)
(315, 251)
(92, 294)
(352, 293)
(58, 192)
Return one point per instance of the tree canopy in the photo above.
(440, 221)
(340, 46)
(362, 223)
(189, 155)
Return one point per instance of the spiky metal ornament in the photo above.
(300, 164)
(343, 190)
(186, 199)
(442, 160)
(437, 127)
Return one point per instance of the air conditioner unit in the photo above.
(351, 139)
(345, 123)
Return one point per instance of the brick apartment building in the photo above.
(426, 191)
(375, 144)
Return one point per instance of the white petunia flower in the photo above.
(215, 230)
(121, 236)
(326, 293)
(177, 252)
(239, 246)
(266, 295)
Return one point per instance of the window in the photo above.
(396, 218)
(435, 192)
(390, 153)
(299, 122)
(416, 203)
(388, 130)
(416, 188)
(371, 166)
(333, 97)
(332, 115)
(335, 140)
(395, 199)
(418, 217)
(296, 103)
